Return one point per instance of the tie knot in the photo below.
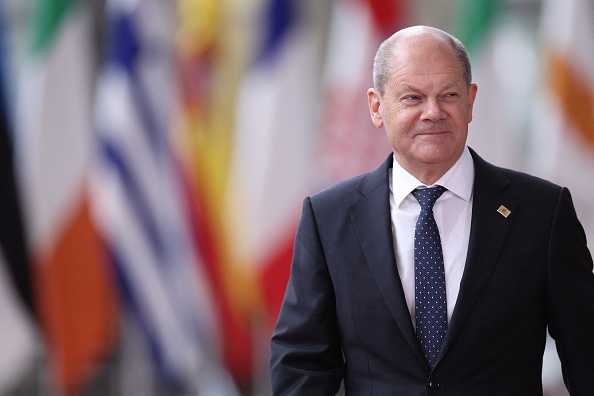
(428, 196)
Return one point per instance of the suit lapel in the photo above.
(488, 231)
(372, 221)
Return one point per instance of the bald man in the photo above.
(437, 273)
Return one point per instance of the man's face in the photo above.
(426, 106)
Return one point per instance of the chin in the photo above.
(438, 153)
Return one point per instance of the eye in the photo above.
(411, 97)
(451, 95)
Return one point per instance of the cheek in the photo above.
(462, 113)
(398, 132)
(399, 118)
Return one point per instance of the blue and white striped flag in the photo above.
(139, 201)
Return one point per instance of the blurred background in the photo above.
(155, 154)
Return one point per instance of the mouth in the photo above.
(431, 133)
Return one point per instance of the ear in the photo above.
(472, 90)
(374, 99)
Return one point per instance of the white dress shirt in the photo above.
(452, 211)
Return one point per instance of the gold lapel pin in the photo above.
(503, 211)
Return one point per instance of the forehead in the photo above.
(424, 56)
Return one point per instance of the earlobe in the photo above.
(374, 101)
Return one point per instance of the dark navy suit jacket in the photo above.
(344, 315)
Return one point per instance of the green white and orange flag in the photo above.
(502, 57)
(562, 140)
(73, 292)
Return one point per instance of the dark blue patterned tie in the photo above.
(430, 293)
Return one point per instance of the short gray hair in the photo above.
(383, 59)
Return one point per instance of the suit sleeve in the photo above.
(570, 297)
(306, 357)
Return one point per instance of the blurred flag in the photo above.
(140, 201)
(349, 143)
(562, 148)
(504, 67)
(17, 338)
(12, 234)
(275, 134)
(475, 20)
(17, 334)
(211, 41)
(73, 288)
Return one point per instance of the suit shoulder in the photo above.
(528, 182)
(522, 182)
(534, 190)
(343, 192)
(347, 192)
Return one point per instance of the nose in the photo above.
(432, 111)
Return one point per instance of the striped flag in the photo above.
(287, 146)
(12, 233)
(17, 337)
(474, 20)
(504, 66)
(18, 341)
(140, 201)
(274, 140)
(561, 145)
(73, 290)
(349, 143)
(562, 140)
(209, 58)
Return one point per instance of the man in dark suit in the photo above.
(366, 302)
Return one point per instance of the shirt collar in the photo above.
(459, 179)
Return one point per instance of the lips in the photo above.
(430, 133)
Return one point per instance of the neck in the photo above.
(428, 175)
(426, 172)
